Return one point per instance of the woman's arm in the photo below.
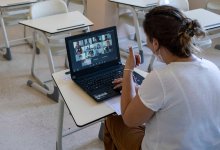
(133, 111)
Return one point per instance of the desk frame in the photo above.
(76, 99)
(7, 53)
(38, 26)
(60, 134)
(84, 110)
(41, 86)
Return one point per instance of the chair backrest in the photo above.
(48, 8)
(214, 5)
(181, 4)
(76, 1)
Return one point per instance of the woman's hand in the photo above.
(118, 83)
(132, 60)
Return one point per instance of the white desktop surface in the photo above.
(6, 3)
(207, 19)
(137, 3)
(83, 108)
(58, 23)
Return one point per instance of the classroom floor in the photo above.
(28, 119)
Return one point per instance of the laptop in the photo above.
(94, 62)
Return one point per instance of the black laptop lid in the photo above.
(92, 51)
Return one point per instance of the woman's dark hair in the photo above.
(172, 29)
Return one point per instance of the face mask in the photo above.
(159, 57)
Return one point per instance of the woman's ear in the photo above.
(155, 44)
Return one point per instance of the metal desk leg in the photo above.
(40, 86)
(7, 54)
(150, 66)
(101, 131)
(60, 126)
(60, 134)
(137, 31)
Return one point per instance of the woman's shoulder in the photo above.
(161, 71)
(208, 63)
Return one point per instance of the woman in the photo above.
(176, 107)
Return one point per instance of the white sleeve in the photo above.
(151, 92)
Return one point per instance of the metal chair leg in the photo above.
(217, 46)
(7, 54)
(150, 66)
(39, 85)
(101, 131)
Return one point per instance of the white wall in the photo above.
(193, 4)
(102, 13)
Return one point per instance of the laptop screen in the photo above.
(92, 49)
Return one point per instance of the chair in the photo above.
(56, 43)
(47, 8)
(78, 2)
(134, 17)
(13, 16)
(214, 5)
(75, 1)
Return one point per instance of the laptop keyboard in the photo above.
(103, 80)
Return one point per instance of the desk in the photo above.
(5, 4)
(132, 5)
(84, 110)
(48, 26)
(208, 20)
(211, 22)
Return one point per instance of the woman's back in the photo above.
(179, 103)
(187, 109)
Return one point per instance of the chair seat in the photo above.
(128, 18)
(203, 43)
(12, 20)
(56, 43)
(76, 1)
(59, 37)
(56, 48)
(16, 12)
(55, 40)
(213, 5)
(12, 17)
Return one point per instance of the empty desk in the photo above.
(54, 25)
(12, 4)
